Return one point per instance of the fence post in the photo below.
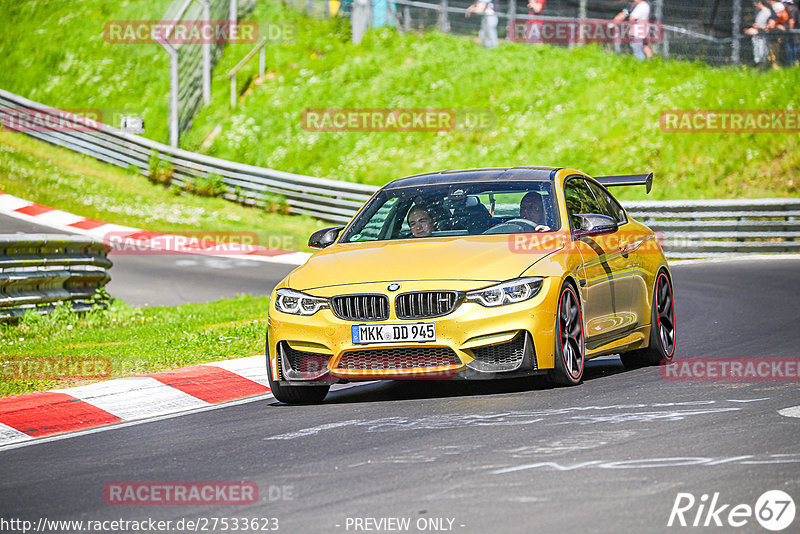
(512, 15)
(582, 10)
(406, 19)
(360, 19)
(659, 16)
(444, 17)
(737, 32)
(206, 56)
(173, 97)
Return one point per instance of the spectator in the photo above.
(777, 21)
(792, 41)
(638, 12)
(758, 31)
(536, 8)
(488, 33)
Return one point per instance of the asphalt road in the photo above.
(610, 455)
(172, 279)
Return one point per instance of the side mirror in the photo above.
(594, 224)
(325, 237)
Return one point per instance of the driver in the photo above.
(420, 222)
(531, 207)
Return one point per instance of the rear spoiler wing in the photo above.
(627, 179)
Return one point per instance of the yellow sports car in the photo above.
(472, 274)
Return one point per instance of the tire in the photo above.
(295, 394)
(661, 347)
(570, 348)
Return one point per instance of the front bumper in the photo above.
(472, 342)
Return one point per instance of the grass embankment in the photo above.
(55, 53)
(136, 340)
(584, 108)
(57, 177)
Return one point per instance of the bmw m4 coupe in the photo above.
(473, 274)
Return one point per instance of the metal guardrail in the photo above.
(330, 200)
(703, 228)
(717, 228)
(37, 271)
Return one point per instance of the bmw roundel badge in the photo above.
(394, 286)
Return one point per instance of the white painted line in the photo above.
(740, 258)
(11, 435)
(794, 411)
(136, 397)
(126, 424)
(252, 368)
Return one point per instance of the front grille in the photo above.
(361, 307)
(400, 358)
(501, 357)
(426, 304)
(301, 364)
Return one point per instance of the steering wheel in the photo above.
(517, 225)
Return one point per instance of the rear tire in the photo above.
(661, 347)
(570, 350)
(294, 394)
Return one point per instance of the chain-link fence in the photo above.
(192, 58)
(707, 30)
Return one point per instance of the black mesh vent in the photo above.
(400, 358)
(501, 357)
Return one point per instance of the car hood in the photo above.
(487, 258)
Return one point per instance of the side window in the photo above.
(378, 225)
(579, 200)
(608, 205)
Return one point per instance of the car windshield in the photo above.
(456, 209)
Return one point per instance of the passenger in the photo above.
(420, 222)
(531, 207)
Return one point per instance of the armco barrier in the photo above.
(39, 270)
(329, 200)
(713, 228)
(689, 229)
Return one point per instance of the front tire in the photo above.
(662, 328)
(570, 350)
(294, 394)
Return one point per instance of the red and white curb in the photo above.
(62, 411)
(143, 240)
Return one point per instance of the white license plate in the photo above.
(393, 333)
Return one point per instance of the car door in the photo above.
(632, 284)
(603, 264)
(628, 282)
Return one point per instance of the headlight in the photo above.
(297, 303)
(509, 292)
